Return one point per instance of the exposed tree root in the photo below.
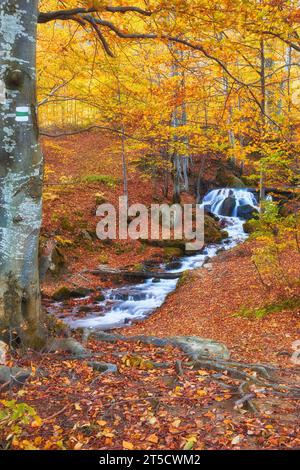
(237, 372)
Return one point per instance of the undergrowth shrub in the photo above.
(275, 235)
(13, 418)
(108, 180)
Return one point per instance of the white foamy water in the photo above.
(122, 306)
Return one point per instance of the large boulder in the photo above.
(227, 179)
(248, 226)
(13, 375)
(212, 230)
(196, 347)
(246, 212)
(64, 293)
(228, 206)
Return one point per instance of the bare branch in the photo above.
(45, 17)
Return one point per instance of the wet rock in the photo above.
(228, 206)
(172, 252)
(128, 294)
(103, 367)
(13, 375)
(248, 227)
(212, 231)
(173, 265)
(99, 298)
(80, 292)
(211, 214)
(85, 309)
(246, 212)
(178, 244)
(64, 293)
(151, 263)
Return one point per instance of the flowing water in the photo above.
(124, 305)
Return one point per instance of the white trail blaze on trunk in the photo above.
(21, 168)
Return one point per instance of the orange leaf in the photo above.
(128, 445)
(153, 438)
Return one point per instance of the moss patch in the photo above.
(108, 180)
(172, 252)
(261, 312)
(212, 231)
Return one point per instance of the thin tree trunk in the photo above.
(124, 163)
(21, 168)
(199, 179)
(263, 115)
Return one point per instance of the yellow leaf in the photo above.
(128, 445)
(37, 422)
(201, 393)
(78, 446)
(176, 423)
(101, 422)
(190, 442)
(107, 433)
(77, 407)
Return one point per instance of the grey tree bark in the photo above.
(21, 171)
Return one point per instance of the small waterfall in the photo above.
(226, 201)
(123, 305)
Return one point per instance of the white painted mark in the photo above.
(22, 113)
(2, 92)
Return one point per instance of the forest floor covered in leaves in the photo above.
(158, 398)
(210, 303)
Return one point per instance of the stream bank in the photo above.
(125, 305)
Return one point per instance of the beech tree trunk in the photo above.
(21, 172)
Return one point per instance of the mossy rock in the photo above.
(100, 199)
(64, 293)
(248, 226)
(99, 298)
(172, 253)
(80, 292)
(212, 231)
(184, 278)
(236, 182)
(227, 179)
(180, 244)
